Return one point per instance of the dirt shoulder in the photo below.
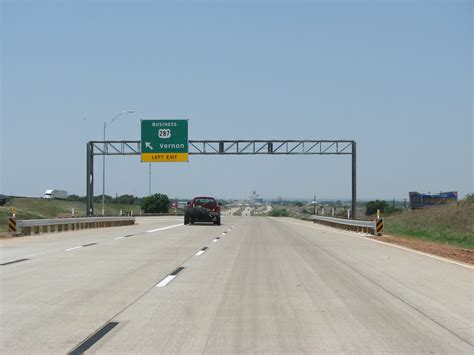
(445, 251)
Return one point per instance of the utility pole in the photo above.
(149, 179)
(314, 205)
(103, 174)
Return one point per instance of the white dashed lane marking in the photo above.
(80, 246)
(170, 277)
(164, 228)
(166, 281)
(200, 252)
(69, 249)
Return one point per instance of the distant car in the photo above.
(203, 209)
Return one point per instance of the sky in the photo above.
(395, 76)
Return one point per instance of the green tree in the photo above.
(279, 212)
(469, 198)
(107, 199)
(74, 197)
(372, 206)
(125, 199)
(157, 203)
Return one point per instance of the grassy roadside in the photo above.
(32, 208)
(449, 225)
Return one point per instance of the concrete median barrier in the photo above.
(42, 226)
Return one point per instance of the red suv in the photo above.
(203, 209)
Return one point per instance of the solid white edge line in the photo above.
(119, 238)
(80, 246)
(166, 281)
(382, 242)
(200, 252)
(162, 229)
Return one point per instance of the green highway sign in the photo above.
(164, 141)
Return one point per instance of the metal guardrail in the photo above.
(350, 222)
(371, 227)
(56, 221)
(36, 226)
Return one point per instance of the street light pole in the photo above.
(103, 157)
(149, 179)
(103, 175)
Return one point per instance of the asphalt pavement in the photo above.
(251, 285)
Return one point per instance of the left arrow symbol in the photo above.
(148, 145)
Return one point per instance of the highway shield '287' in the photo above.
(164, 141)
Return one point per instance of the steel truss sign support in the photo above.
(229, 147)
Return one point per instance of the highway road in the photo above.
(251, 285)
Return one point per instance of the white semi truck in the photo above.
(55, 194)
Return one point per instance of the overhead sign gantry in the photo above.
(167, 141)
